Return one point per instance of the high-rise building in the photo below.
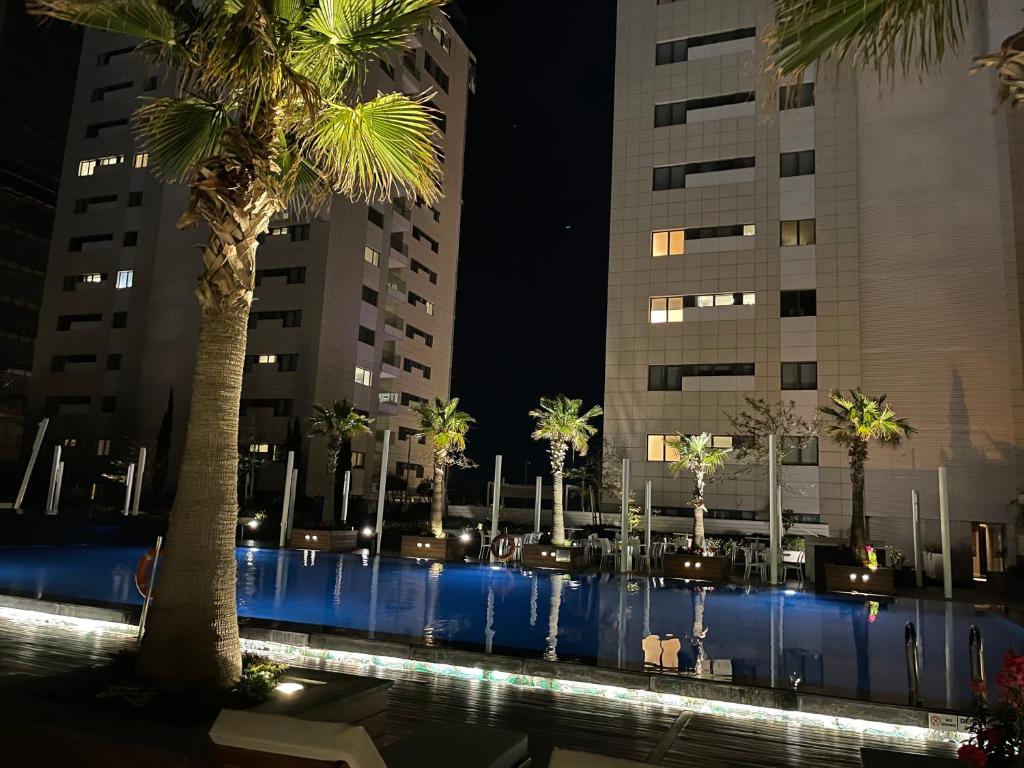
(356, 303)
(838, 233)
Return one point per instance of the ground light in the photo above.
(367, 532)
(289, 688)
(296, 654)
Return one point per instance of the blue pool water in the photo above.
(835, 645)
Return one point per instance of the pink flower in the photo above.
(972, 755)
(1012, 673)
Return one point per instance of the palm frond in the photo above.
(696, 454)
(180, 133)
(444, 425)
(369, 149)
(144, 19)
(891, 36)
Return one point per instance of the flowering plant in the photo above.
(870, 557)
(996, 730)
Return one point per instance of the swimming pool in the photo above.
(827, 644)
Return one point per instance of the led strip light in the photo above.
(292, 653)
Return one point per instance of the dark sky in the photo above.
(530, 314)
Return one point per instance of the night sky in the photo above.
(534, 250)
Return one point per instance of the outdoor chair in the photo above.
(606, 552)
(796, 563)
(755, 562)
(485, 546)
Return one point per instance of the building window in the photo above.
(796, 163)
(664, 378)
(435, 71)
(412, 332)
(125, 278)
(108, 404)
(666, 309)
(114, 361)
(799, 376)
(367, 336)
(801, 303)
(678, 50)
(408, 366)
(92, 277)
(292, 275)
(375, 217)
(102, 447)
(370, 296)
(793, 455)
(141, 160)
(290, 318)
(442, 37)
(105, 58)
(86, 167)
(66, 322)
(298, 232)
(419, 234)
(658, 448)
(670, 242)
(134, 199)
(98, 94)
(277, 231)
(409, 400)
(76, 244)
(120, 320)
(279, 406)
(59, 362)
(674, 113)
(358, 459)
(796, 96)
(82, 205)
(370, 256)
(94, 129)
(415, 298)
(364, 377)
(797, 232)
(669, 309)
(149, 84)
(71, 282)
(417, 267)
(674, 176)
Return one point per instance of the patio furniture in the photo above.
(485, 546)
(793, 561)
(755, 562)
(606, 552)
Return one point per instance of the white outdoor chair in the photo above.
(485, 546)
(755, 562)
(796, 564)
(606, 552)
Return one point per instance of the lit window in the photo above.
(358, 459)
(92, 277)
(110, 160)
(70, 442)
(659, 310)
(655, 447)
(87, 168)
(267, 359)
(102, 447)
(371, 256)
(364, 377)
(276, 231)
(125, 278)
(749, 230)
(668, 243)
(141, 159)
(721, 441)
(748, 299)
(429, 306)
(667, 309)
(724, 300)
(708, 300)
(388, 398)
(797, 232)
(259, 447)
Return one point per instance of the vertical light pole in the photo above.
(647, 524)
(53, 479)
(137, 503)
(538, 490)
(774, 513)
(915, 512)
(128, 489)
(291, 497)
(346, 487)
(624, 523)
(383, 486)
(57, 487)
(947, 555)
(495, 503)
(287, 497)
(36, 445)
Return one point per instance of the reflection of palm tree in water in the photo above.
(556, 605)
(697, 597)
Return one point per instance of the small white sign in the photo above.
(940, 721)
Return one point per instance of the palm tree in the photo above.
(856, 420)
(337, 425)
(560, 422)
(268, 115)
(445, 426)
(698, 455)
(890, 36)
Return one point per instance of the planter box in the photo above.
(1005, 586)
(701, 567)
(880, 581)
(324, 540)
(550, 556)
(428, 548)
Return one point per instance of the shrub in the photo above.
(259, 677)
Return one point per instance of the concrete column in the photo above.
(139, 472)
(624, 529)
(53, 479)
(539, 490)
(56, 490)
(647, 522)
(292, 493)
(774, 513)
(495, 503)
(915, 512)
(382, 489)
(128, 487)
(285, 522)
(345, 489)
(36, 445)
(947, 554)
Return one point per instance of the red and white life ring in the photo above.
(495, 548)
(144, 571)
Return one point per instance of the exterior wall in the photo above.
(914, 265)
(158, 342)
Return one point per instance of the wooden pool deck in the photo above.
(648, 733)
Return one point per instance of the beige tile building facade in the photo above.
(852, 234)
(355, 303)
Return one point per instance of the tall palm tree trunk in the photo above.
(858, 455)
(327, 515)
(192, 628)
(698, 510)
(557, 517)
(437, 497)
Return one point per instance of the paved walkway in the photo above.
(654, 734)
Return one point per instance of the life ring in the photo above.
(144, 571)
(505, 557)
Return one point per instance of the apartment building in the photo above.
(354, 303)
(841, 232)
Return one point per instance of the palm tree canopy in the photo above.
(444, 425)
(338, 422)
(859, 418)
(279, 80)
(697, 454)
(559, 421)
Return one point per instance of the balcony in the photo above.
(397, 288)
(402, 220)
(398, 253)
(394, 325)
(410, 73)
(390, 366)
(388, 402)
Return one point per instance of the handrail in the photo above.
(913, 665)
(977, 649)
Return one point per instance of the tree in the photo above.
(269, 115)
(855, 421)
(698, 455)
(761, 419)
(445, 427)
(890, 36)
(560, 422)
(337, 424)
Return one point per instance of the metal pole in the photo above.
(53, 479)
(36, 445)
(345, 489)
(624, 557)
(913, 665)
(977, 660)
(947, 555)
(128, 488)
(291, 499)
(383, 486)
(56, 490)
(149, 589)
(915, 516)
(949, 654)
(538, 491)
(287, 495)
(647, 522)
(773, 509)
(495, 504)
(138, 481)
